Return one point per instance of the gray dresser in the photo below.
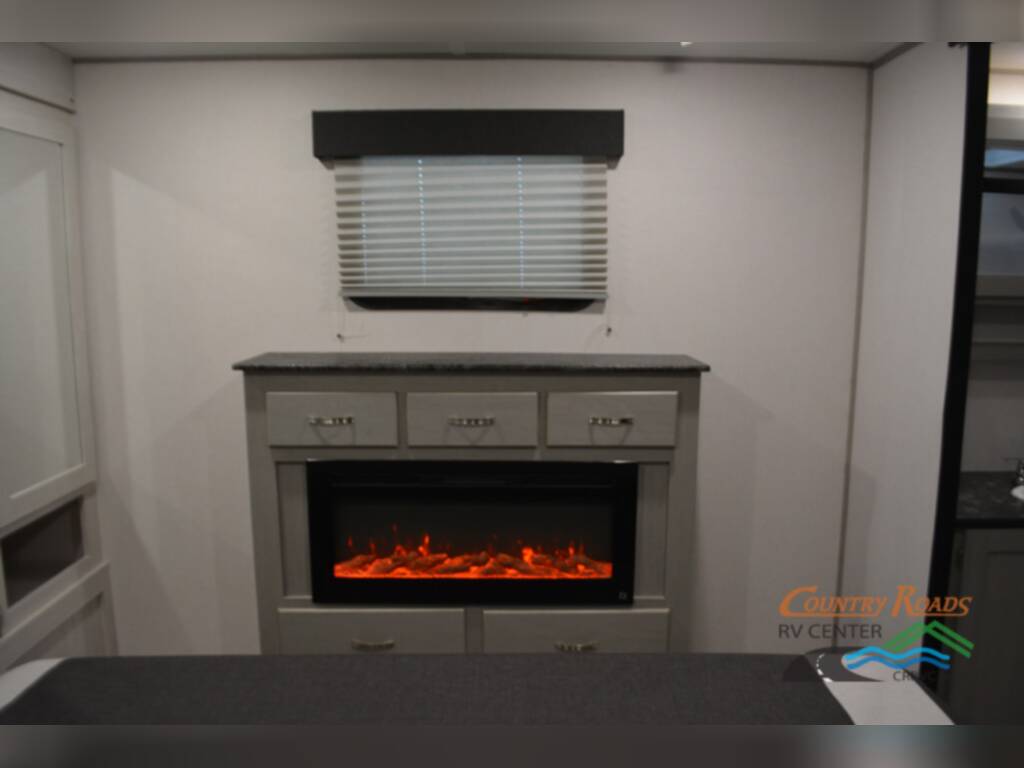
(472, 407)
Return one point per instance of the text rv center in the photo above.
(805, 603)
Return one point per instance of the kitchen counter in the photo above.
(985, 498)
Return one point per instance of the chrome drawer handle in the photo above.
(611, 421)
(330, 421)
(380, 645)
(576, 647)
(482, 421)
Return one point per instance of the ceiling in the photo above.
(840, 52)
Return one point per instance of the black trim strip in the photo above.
(400, 303)
(364, 133)
(1002, 523)
(1003, 186)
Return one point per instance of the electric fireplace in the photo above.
(486, 532)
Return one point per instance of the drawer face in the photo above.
(332, 418)
(612, 418)
(372, 630)
(638, 630)
(472, 420)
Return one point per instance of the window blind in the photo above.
(472, 227)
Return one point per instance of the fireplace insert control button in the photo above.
(481, 421)
(611, 421)
(576, 647)
(330, 421)
(380, 645)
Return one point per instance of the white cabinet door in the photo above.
(45, 434)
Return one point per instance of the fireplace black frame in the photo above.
(620, 479)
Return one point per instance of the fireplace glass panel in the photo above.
(487, 532)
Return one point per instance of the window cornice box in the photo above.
(368, 133)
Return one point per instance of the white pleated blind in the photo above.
(472, 227)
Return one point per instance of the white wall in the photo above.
(913, 219)
(37, 71)
(209, 235)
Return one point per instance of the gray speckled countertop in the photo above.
(985, 496)
(467, 362)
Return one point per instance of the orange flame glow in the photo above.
(421, 563)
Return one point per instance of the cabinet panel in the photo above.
(373, 630)
(332, 418)
(466, 419)
(983, 689)
(40, 436)
(576, 631)
(612, 418)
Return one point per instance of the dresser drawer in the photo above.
(372, 630)
(474, 420)
(332, 418)
(641, 630)
(612, 418)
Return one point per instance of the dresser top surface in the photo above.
(467, 362)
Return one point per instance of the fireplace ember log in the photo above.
(492, 569)
(386, 565)
(480, 558)
(356, 562)
(516, 564)
(426, 562)
(566, 565)
(453, 565)
(586, 562)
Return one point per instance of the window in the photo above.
(473, 227)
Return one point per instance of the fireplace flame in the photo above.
(421, 563)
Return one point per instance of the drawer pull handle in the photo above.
(331, 421)
(611, 421)
(379, 645)
(481, 421)
(576, 647)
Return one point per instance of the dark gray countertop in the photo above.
(985, 497)
(467, 362)
(597, 690)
